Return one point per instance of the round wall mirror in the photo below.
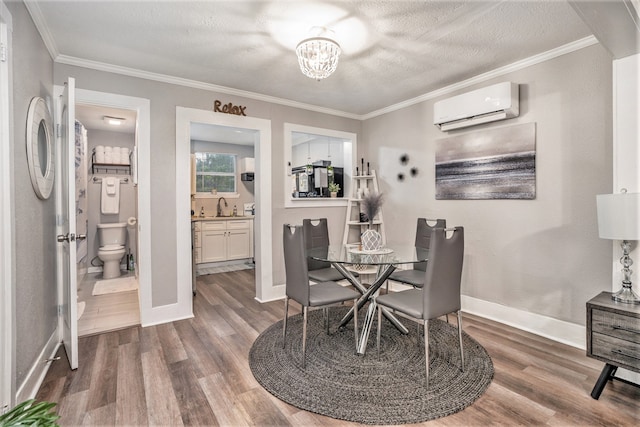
(40, 148)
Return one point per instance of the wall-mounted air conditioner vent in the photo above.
(496, 102)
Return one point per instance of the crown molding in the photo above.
(527, 62)
(42, 27)
(132, 72)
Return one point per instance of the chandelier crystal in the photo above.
(318, 56)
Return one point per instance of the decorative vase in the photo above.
(371, 240)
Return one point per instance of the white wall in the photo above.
(539, 256)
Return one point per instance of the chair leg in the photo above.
(305, 311)
(355, 321)
(284, 321)
(379, 329)
(460, 339)
(426, 349)
(447, 317)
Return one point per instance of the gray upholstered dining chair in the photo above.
(298, 288)
(416, 276)
(316, 235)
(440, 294)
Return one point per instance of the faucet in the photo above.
(219, 211)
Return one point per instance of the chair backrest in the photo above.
(295, 264)
(316, 236)
(423, 237)
(441, 291)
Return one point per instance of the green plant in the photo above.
(334, 187)
(30, 413)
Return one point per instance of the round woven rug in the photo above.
(366, 389)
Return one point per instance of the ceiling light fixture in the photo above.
(318, 55)
(113, 121)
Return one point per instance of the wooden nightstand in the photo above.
(613, 337)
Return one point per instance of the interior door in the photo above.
(68, 276)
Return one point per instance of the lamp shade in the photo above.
(619, 216)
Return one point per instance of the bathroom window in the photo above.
(215, 171)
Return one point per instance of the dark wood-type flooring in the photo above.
(195, 372)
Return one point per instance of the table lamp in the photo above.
(619, 219)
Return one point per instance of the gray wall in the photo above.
(128, 193)
(34, 221)
(541, 256)
(164, 99)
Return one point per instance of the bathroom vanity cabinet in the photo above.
(224, 240)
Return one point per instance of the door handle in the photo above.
(69, 237)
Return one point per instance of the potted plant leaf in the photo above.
(334, 187)
(30, 413)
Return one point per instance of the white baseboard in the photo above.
(548, 327)
(625, 374)
(276, 292)
(35, 377)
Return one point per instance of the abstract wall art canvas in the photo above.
(491, 164)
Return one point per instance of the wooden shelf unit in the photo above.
(353, 228)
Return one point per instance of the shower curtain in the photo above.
(81, 190)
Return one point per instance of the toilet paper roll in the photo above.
(99, 150)
(132, 221)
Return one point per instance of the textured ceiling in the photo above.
(393, 51)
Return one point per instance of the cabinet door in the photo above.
(238, 244)
(213, 246)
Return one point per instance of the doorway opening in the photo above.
(113, 310)
(222, 198)
(107, 279)
(260, 131)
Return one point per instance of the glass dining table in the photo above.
(348, 258)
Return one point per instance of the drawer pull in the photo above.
(622, 353)
(633, 331)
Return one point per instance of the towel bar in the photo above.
(97, 180)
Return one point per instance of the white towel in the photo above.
(110, 200)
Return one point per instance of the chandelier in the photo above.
(318, 56)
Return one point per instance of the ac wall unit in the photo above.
(491, 103)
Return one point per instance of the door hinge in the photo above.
(58, 130)
(59, 310)
(3, 52)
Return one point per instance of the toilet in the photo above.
(112, 239)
